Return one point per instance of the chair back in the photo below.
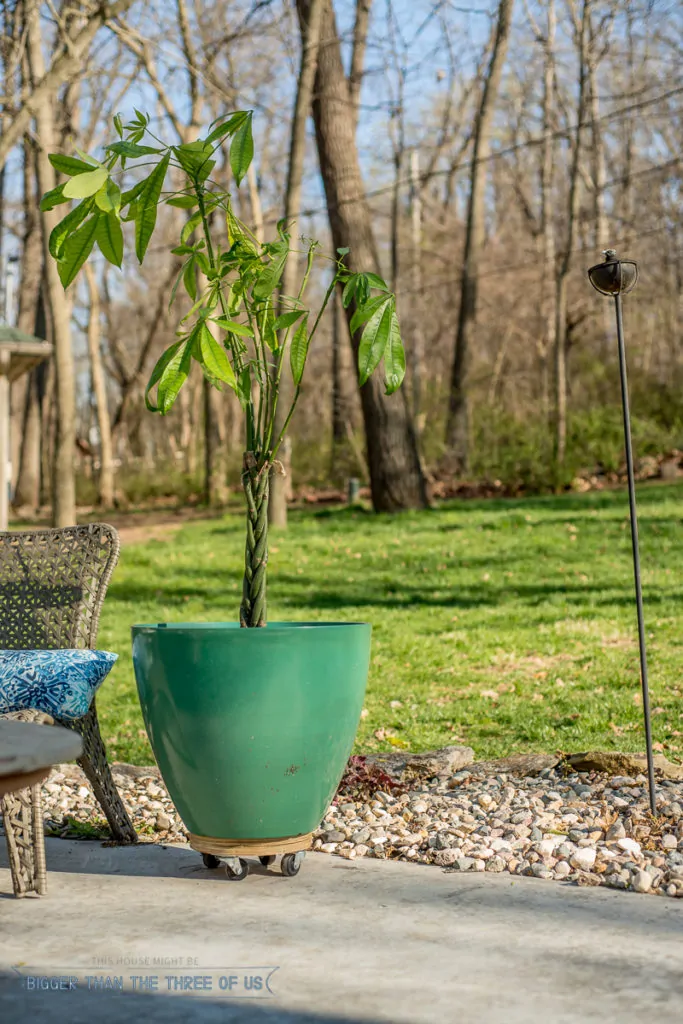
(52, 585)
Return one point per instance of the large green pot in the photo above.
(251, 728)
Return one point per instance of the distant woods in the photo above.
(479, 161)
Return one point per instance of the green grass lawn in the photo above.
(508, 625)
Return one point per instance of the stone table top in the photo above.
(28, 751)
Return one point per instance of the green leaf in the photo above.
(182, 202)
(270, 277)
(133, 193)
(190, 279)
(109, 237)
(85, 185)
(242, 149)
(118, 125)
(374, 341)
(228, 127)
(394, 358)
(286, 320)
(108, 199)
(147, 207)
(362, 289)
(344, 251)
(376, 282)
(132, 149)
(214, 358)
(67, 226)
(69, 164)
(299, 350)
(193, 223)
(157, 372)
(76, 250)
(364, 313)
(233, 327)
(174, 375)
(349, 289)
(55, 197)
(195, 159)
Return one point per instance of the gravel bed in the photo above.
(582, 828)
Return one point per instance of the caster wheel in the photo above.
(291, 863)
(236, 869)
(267, 861)
(210, 861)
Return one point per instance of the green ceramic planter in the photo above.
(251, 728)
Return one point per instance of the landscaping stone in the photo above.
(405, 767)
(587, 829)
(615, 763)
(518, 764)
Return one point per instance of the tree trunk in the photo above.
(396, 478)
(31, 320)
(64, 490)
(457, 429)
(548, 297)
(360, 40)
(565, 265)
(415, 351)
(310, 37)
(99, 386)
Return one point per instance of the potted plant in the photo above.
(251, 726)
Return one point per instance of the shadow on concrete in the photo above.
(357, 884)
(18, 1006)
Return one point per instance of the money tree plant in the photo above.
(239, 327)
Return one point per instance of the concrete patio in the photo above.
(363, 941)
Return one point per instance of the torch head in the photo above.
(613, 276)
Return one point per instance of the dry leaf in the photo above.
(395, 704)
(364, 713)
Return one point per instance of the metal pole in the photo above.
(636, 554)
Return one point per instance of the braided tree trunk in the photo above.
(255, 483)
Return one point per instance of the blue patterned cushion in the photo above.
(60, 683)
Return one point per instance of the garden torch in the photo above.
(616, 277)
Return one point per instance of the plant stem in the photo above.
(297, 392)
(255, 482)
(199, 192)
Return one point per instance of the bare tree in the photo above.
(31, 320)
(396, 478)
(74, 41)
(99, 387)
(63, 481)
(564, 264)
(310, 38)
(457, 430)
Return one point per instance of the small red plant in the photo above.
(363, 778)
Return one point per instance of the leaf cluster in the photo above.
(239, 326)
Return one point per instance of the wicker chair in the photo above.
(52, 586)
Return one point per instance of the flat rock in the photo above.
(136, 771)
(616, 763)
(517, 764)
(432, 764)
